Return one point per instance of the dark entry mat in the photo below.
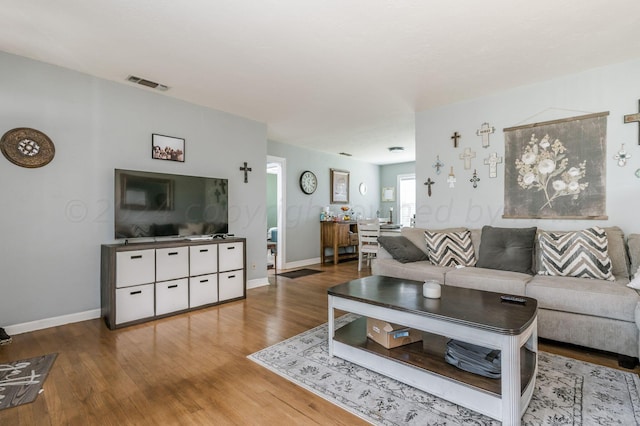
(299, 273)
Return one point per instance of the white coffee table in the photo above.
(473, 316)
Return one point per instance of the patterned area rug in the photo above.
(20, 381)
(568, 392)
(299, 273)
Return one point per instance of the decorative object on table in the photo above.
(431, 289)
(634, 118)
(246, 171)
(388, 194)
(339, 186)
(578, 392)
(622, 156)
(492, 161)
(484, 131)
(429, 182)
(451, 179)
(27, 147)
(438, 165)
(467, 156)
(21, 381)
(455, 138)
(362, 188)
(308, 182)
(556, 169)
(475, 179)
(167, 148)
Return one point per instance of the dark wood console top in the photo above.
(474, 308)
(170, 242)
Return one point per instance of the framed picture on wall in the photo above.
(388, 193)
(167, 148)
(339, 186)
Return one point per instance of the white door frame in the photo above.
(282, 211)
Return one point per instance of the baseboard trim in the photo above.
(258, 282)
(26, 327)
(301, 263)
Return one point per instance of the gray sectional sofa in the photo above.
(594, 313)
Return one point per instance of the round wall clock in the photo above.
(27, 147)
(308, 182)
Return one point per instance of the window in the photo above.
(407, 198)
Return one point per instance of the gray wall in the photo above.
(55, 218)
(272, 201)
(303, 211)
(613, 88)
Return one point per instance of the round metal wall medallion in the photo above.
(27, 147)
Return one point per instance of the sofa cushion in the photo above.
(401, 249)
(589, 297)
(580, 254)
(450, 248)
(507, 249)
(419, 271)
(634, 252)
(498, 281)
(416, 235)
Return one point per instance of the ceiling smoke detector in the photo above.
(148, 83)
(396, 149)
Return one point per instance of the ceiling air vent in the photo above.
(148, 83)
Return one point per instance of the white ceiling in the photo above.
(332, 75)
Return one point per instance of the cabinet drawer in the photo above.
(230, 285)
(133, 303)
(203, 290)
(135, 267)
(231, 256)
(203, 259)
(172, 296)
(172, 263)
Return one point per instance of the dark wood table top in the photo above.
(474, 308)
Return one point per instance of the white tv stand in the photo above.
(144, 281)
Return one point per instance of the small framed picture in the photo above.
(167, 148)
(339, 186)
(388, 194)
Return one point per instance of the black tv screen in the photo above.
(160, 205)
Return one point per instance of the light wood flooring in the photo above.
(191, 369)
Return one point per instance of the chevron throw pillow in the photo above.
(450, 248)
(581, 254)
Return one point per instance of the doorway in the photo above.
(275, 211)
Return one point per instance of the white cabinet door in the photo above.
(231, 285)
(172, 296)
(135, 267)
(203, 259)
(231, 256)
(203, 290)
(172, 263)
(133, 303)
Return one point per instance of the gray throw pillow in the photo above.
(401, 249)
(507, 249)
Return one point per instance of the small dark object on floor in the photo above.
(5, 339)
(299, 273)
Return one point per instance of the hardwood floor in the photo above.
(192, 368)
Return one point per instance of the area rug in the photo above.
(567, 391)
(299, 273)
(21, 381)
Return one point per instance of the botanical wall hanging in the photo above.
(556, 169)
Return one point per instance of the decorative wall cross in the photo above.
(429, 182)
(467, 155)
(622, 156)
(475, 179)
(451, 180)
(455, 138)
(492, 161)
(245, 169)
(634, 118)
(485, 130)
(438, 165)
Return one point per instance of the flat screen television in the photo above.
(151, 204)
